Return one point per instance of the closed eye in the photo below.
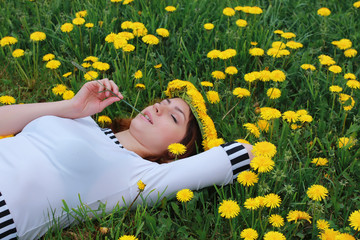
(174, 118)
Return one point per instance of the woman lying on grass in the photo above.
(60, 154)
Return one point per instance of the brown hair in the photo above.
(192, 140)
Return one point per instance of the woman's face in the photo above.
(167, 124)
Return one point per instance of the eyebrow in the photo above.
(177, 108)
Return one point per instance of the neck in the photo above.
(131, 144)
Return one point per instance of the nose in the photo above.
(160, 108)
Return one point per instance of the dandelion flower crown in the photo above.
(188, 92)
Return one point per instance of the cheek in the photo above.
(171, 134)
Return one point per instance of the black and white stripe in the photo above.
(239, 157)
(108, 132)
(7, 225)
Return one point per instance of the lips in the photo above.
(147, 117)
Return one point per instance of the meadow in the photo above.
(280, 73)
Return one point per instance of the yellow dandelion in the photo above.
(273, 235)
(345, 236)
(350, 52)
(278, 45)
(231, 70)
(120, 42)
(37, 36)
(101, 66)
(207, 84)
(65, 75)
(103, 230)
(349, 76)
(307, 66)
(294, 45)
(91, 58)
(81, 13)
(7, 100)
(241, 23)
(322, 224)
(138, 74)
(209, 26)
(59, 89)
(256, 52)
(273, 93)
(141, 185)
(8, 40)
(110, 37)
(342, 44)
(335, 69)
(213, 54)
(213, 97)
(288, 35)
(218, 75)
(335, 88)
(128, 48)
(277, 76)
(354, 220)
(268, 113)
(53, 64)
(295, 215)
(128, 237)
(353, 84)
(278, 31)
(126, 25)
(290, 116)
(68, 94)
(262, 164)
(229, 209)
(18, 53)
(357, 4)
(170, 9)
(272, 200)
(345, 142)
(48, 57)
(276, 220)
(86, 65)
(320, 161)
(91, 75)
(252, 203)
(177, 149)
(67, 27)
(329, 234)
(253, 129)
(265, 75)
(89, 25)
(323, 12)
(184, 195)
(162, 32)
(266, 149)
(326, 60)
(158, 66)
(150, 39)
(249, 234)
(305, 118)
(140, 86)
(78, 21)
(240, 140)
(252, 76)
(317, 192)
(247, 178)
(263, 125)
(228, 11)
(104, 119)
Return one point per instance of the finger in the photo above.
(108, 87)
(115, 89)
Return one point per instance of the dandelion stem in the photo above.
(230, 110)
(343, 125)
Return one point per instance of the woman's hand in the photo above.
(93, 97)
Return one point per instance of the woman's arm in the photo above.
(90, 100)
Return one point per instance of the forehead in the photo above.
(181, 104)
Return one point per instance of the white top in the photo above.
(57, 159)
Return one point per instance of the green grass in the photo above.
(183, 56)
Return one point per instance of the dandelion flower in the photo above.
(326, 60)
(103, 230)
(104, 119)
(213, 54)
(240, 140)
(150, 39)
(170, 9)
(322, 224)
(228, 11)
(78, 21)
(67, 74)
(266, 149)
(256, 52)
(273, 235)
(335, 69)
(218, 75)
(162, 32)
(253, 129)
(158, 66)
(91, 75)
(241, 23)
(354, 220)
(278, 31)
(277, 76)
(272, 200)
(140, 86)
(59, 89)
(38, 36)
(308, 67)
(8, 40)
(345, 236)
(141, 185)
(353, 84)
(247, 178)
(101, 66)
(276, 220)
(231, 70)
(349, 76)
(177, 149)
(265, 75)
(68, 94)
(48, 57)
(86, 65)
(319, 161)
(345, 142)
(229, 209)
(357, 4)
(268, 113)
(67, 27)
(288, 35)
(262, 164)
(251, 77)
(329, 234)
(128, 237)
(335, 89)
(290, 116)
(91, 58)
(273, 93)
(184, 195)
(110, 37)
(249, 234)
(209, 26)
(317, 192)
(252, 203)
(207, 84)
(138, 74)
(7, 100)
(350, 52)
(342, 44)
(81, 13)
(263, 125)
(120, 42)
(213, 97)
(295, 215)
(294, 45)
(305, 118)
(53, 64)
(18, 53)
(323, 12)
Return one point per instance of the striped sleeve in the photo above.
(238, 156)
(7, 225)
